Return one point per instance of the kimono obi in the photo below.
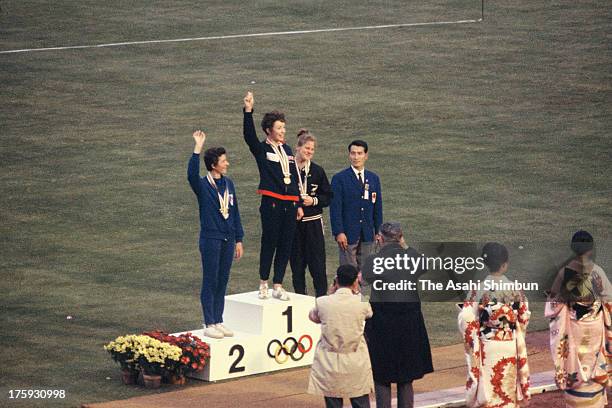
(498, 320)
(585, 310)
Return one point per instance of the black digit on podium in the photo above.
(289, 313)
(234, 367)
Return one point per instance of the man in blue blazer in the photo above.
(220, 231)
(356, 209)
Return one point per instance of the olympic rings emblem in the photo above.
(288, 348)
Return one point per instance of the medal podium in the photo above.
(269, 335)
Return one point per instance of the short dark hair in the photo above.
(495, 255)
(269, 118)
(359, 143)
(346, 275)
(391, 231)
(211, 157)
(582, 242)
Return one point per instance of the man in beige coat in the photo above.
(341, 366)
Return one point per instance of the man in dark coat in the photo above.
(396, 334)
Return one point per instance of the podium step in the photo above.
(269, 335)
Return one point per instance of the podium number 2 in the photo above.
(289, 314)
(234, 367)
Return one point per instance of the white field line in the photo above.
(224, 37)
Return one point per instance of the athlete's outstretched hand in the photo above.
(249, 101)
(200, 138)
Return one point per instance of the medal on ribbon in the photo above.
(303, 184)
(283, 160)
(223, 200)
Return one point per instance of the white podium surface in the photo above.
(269, 335)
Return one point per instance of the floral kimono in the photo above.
(581, 336)
(493, 325)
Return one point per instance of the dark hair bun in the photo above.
(495, 255)
(302, 131)
(582, 242)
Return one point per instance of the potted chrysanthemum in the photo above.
(122, 351)
(154, 357)
(195, 355)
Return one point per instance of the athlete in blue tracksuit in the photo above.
(220, 231)
(356, 210)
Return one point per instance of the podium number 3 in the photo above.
(234, 367)
(289, 313)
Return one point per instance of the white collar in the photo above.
(270, 142)
(357, 172)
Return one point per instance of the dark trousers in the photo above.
(357, 253)
(277, 230)
(405, 395)
(217, 257)
(309, 251)
(356, 402)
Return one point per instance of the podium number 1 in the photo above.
(289, 315)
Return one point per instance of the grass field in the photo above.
(497, 130)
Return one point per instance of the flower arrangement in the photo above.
(195, 353)
(154, 356)
(158, 355)
(122, 351)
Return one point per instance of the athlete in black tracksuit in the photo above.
(308, 243)
(279, 203)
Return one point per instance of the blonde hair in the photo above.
(305, 136)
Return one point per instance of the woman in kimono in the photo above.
(579, 307)
(493, 325)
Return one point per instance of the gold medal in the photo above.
(303, 184)
(223, 199)
(283, 160)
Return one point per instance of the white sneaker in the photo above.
(224, 330)
(212, 332)
(263, 291)
(280, 294)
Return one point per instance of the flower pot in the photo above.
(128, 376)
(177, 379)
(152, 381)
(140, 378)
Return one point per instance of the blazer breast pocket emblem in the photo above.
(272, 157)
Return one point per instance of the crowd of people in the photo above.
(366, 346)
